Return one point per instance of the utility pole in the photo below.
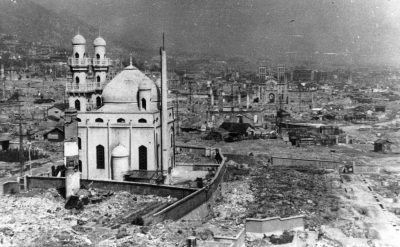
(177, 111)
(232, 97)
(21, 139)
(190, 96)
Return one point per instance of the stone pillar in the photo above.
(247, 101)
(72, 182)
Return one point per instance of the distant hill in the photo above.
(32, 22)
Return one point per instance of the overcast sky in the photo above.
(362, 30)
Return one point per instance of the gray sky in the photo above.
(351, 30)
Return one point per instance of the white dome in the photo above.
(78, 40)
(124, 87)
(99, 41)
(120, 151)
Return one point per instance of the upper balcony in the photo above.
(102, 62)
(81, 62)
(98, 85)
(80, 88)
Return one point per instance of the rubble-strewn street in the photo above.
(39, 219)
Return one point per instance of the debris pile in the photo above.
(287, 192)
(39, 218)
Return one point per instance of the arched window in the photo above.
(142, 158)
(78, 120)
(144, 104)
(98, 101)
(98, 78)
(99, 120)
(79, 143)
(100, 157)
(77, 105)
(80, 166)
(120, 120)
(76, 55)
(98, 56)
(287, 99)
(76, 80)
(142, 120)
(271, 98)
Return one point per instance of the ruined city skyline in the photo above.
(339, 31)
(318, 32)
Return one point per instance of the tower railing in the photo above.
(98, 85)
(78, 61)
(101, 62)
(79, 87)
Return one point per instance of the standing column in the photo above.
(164, 113)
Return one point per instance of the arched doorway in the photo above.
(98, 102)
(144, 104)
(76, 55)
(77, 105)
(142, 158)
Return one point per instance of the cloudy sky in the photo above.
(352, 30)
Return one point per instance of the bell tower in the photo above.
(100, 68)
(79, 89)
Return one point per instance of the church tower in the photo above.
(100, 68)
(79, 89)
(83, 94)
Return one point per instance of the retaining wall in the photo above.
(274, 225)
(327, 164)
(205, 151)
(366, 169)
(194, 200)
(189, 199)
(11, 187)
(132, 187)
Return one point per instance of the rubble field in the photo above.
(39, 218)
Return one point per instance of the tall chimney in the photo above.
(211, 96)
(2, 72)
(239, 99)
(164, 112)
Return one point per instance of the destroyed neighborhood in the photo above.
(199, 123)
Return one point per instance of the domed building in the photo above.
(130, 129)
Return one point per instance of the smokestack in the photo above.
(164, 114)
(212, 96)
(247, 100)
(239, 99)
(2, 72)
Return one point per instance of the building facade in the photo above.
(125, 126)
(84, 94)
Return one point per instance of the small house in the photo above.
(380, 108)
(4, 142)
(54, 135)
(382, 146)
(57, 110)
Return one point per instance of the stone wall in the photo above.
(11, 188)
(274, 225)
(327, 164)
(365, 169)
(132, 187)
(196, 204)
